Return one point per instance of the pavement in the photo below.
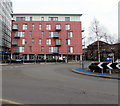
(82, 71)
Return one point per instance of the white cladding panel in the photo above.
(46, 17)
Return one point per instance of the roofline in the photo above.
(45, 14)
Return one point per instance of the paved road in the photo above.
(56, 84)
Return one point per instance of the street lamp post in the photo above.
(81, 57)
(98, 43)
(112, 54)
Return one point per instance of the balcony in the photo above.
(55, 52)
(55, 36)
(15, 27)
(14, 42)
(17, 51)
(17, 35)
(58, 28)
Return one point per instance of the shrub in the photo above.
(94, 67)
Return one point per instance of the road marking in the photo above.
(12, 102)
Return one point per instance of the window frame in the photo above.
(70, 34)
(48, 41)
(33, 41)
(67, 26)
(67, 18)
(25, 26)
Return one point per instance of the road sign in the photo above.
(100, 65)
(118, 65)
(109, 65)
(109, 58)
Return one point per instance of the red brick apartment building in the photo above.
(46, 36)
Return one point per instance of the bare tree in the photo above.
(100, 33)
(97, 34)
(110, 38)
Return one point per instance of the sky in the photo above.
(105, 11)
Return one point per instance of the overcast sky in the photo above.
(105, 11)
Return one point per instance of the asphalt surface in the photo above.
(55, 84)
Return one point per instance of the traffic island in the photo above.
(82, 71)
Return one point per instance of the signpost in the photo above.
(35, 57)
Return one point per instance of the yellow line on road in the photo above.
(12, 102)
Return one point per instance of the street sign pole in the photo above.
(110, 72)
(102, 70)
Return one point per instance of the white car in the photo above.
(117, 61)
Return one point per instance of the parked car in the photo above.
(117, 61)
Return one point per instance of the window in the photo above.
(42, 49)
(42, 33)
(30, 33)
(70, 49)
(40, 41)
(48, 27)
(53, 34)
(42, 18)
(20, 18)
(30, 48)
(53, 18)
(33, 41)
(15, 26)
(48, 41)
(53, 50)
(58, 42)
(67, 18)
(58, 27)
(67, 41)
(40, 26)
(70, 34)
(33, 26)
(67, 26)
(24, 41)
(15, 41)
(19, 49)
(19, 34)
(17, 18)
(30, 18)
(24, 26)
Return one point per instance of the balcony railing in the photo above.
(55, 52)
(17, 35)
(17, 51)
(58, 28)
(55, 36)
(58, 44)
(14, 43)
